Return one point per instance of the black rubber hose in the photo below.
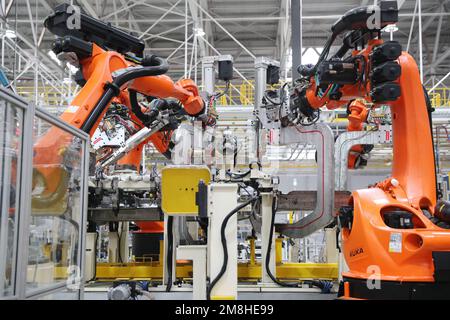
(146, 119)
(430, 109)
(224, 244)
(325, 286)
(269, 248)
(158, 66)
(169, 259)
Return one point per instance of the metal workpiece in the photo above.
(322, 137)
(132, 143)
(346, 141)
(183, 148)
(307, 200)
(129, 180)
(103, 215)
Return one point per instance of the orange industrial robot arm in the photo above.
(110, 76)
(411, 168)
(393, 230)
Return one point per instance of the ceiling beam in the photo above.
(226, 31)
(87, 6)
(283, 33)
(259, 18)
(198, 24)
(159, 19)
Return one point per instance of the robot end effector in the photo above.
(369, 71)
(139, 73)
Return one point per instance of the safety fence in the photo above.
(43, 202)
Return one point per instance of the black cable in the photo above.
(271, 101)
(95, 257)
(430, 109)
(269, 248)
(236, 175)
(325, 286)
(77, 230)
(220, 94)
(158, 66)
(282, 96)
(224, 244)
(169, 259)
(146, 119)
(324, 54)
(314, 121)
(119, 236)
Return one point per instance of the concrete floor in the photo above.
(98, 292)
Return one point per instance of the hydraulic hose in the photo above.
(157, 66)
(224, 245)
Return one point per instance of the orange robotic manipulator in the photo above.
(395, 236)
(113, 70)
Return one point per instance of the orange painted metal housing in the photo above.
(367, 244)
(413, 168)
(97, 70)
(356, 118)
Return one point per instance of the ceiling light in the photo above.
(53, 56)
(71, 68)
(199, 32)
(11, 34)
(390, 28)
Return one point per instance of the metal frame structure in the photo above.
(345, 141)
(30, 112)
(186, 31)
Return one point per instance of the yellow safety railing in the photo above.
(246, 94)
(440, 97)
(238, 94)
(48, 95)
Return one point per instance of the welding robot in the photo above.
(396, 233)
(125, 102)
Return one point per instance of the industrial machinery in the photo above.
(125, 102)
(393, 232)
(395, 238)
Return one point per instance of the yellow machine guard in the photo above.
(179, 184)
